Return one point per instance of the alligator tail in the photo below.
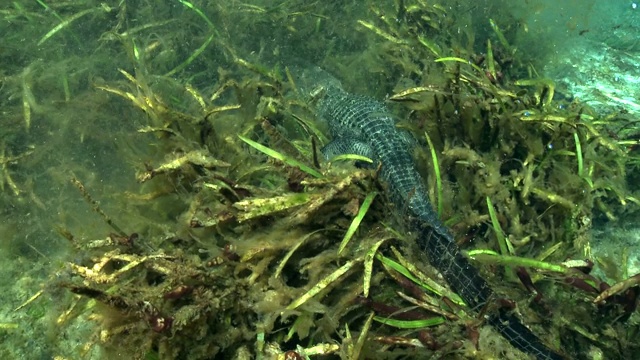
(466, 281)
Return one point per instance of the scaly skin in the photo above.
(361, 125)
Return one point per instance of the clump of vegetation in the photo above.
(236, 242)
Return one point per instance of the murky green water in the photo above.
(104, 91)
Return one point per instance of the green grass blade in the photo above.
(347, 157)
(490, 61)
(405, 272)
(362, 338)
(285, 159)
(505, 246)
(436, 168)
(460, 60)
(323, 284)
(191, 58)
(357, 220)
(492, 257)
(199, 12)
(576, 138)
(202, 47)
(65, 23)
(500, 35)
(410, 324)
(369, 257)
(48, 9)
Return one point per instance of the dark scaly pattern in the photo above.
(363, 126)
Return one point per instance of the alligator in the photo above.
(364, 126)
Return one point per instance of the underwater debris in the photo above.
(195, 158)
(5, 162)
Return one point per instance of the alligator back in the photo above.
(362, 125)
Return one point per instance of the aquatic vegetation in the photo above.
(234, 240)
